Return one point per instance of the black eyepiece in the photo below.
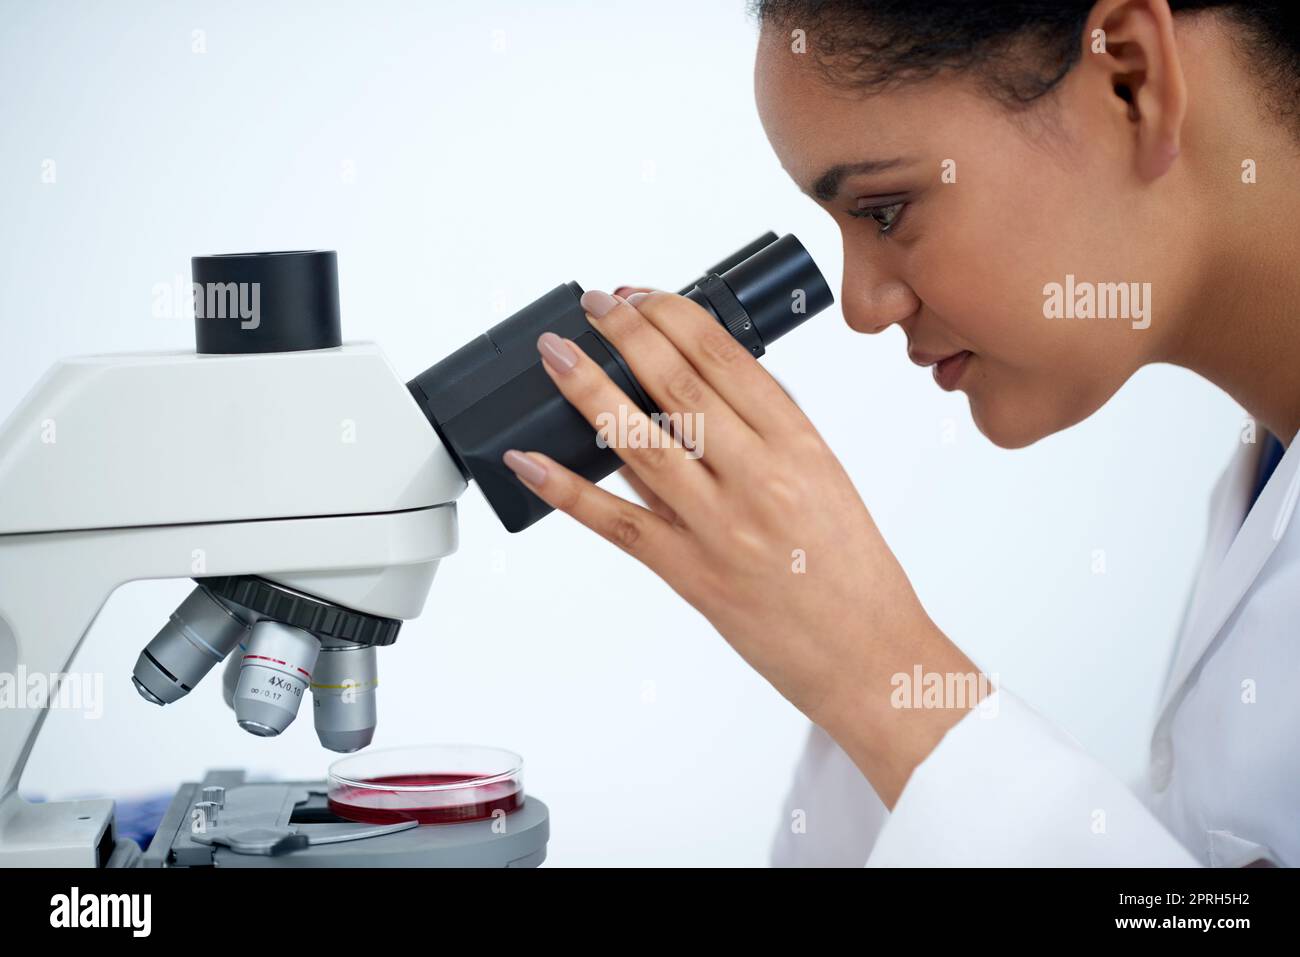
(780, 287)
(492, 394)
(266, 302)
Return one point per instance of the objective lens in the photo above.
(200, 632)
(344, 689)
(273, 675)
(230, 675)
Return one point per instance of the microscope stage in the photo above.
(272, 821)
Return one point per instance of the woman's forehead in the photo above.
(814, 125)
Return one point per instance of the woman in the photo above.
(994, 168)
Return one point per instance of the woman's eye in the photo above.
(885, 215)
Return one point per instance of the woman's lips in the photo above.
(947, 369)
(947, 372)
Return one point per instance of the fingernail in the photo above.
(637, 297)
(530, 470)
(622, 291)
(597, 303)
(556, 352)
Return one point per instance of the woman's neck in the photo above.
(1245, 335)
(1241, 327)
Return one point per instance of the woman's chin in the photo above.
(1007, 428)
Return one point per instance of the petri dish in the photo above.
(432, 784)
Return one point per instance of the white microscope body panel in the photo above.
(314, 469)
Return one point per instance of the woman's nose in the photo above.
(872, 301)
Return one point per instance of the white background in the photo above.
(463, 159)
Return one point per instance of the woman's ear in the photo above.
(1129, 53)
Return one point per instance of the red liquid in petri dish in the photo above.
(373, 804)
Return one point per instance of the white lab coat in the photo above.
(1006, 787)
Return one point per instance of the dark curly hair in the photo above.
(1019, 50)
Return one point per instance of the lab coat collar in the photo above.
(1235, 554)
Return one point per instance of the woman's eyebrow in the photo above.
(827, 186)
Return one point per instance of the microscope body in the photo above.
(311, 495)
(313, 470)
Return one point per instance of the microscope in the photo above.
(310, 494)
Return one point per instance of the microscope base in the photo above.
(55, 834)
(276, 806)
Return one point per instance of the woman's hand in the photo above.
(753, 521)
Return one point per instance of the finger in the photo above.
(624, 291)
(724, 363)
(636, 530)
(652, 501)
(672, 472)
(671, 381)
